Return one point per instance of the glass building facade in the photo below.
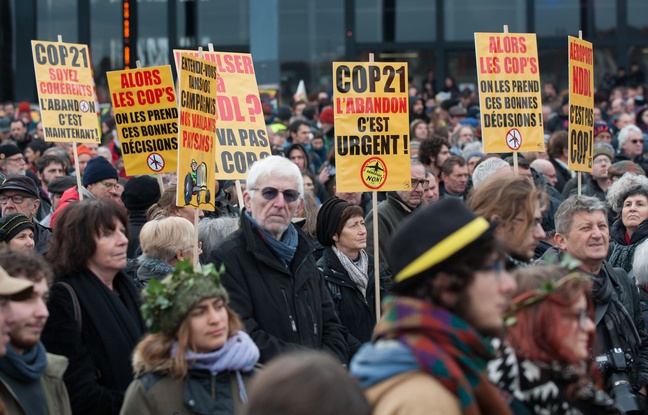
(298, 39)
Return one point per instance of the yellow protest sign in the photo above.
(372, 140)
(241, 135)
(197, 132)
(66, 91)
(146, 116)
(510, 99)
(581, 105)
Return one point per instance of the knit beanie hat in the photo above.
(327, 116)
(603, 148)
(11, 225)
(167, 302)
(83, 150)
(98, 169)
(140, 193)
(328, 219)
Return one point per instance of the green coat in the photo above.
(56, 394)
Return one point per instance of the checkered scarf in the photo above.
(447, 348)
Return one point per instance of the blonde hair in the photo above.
(162, 238)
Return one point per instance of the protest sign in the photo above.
(66, 92)
(146, 117)
(581, 105)
(197, 132)
(241, 135)
(509, 92)
(371, 111)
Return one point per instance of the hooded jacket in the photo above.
(622, 253)
(282, 307)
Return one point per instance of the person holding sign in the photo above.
(271, 276)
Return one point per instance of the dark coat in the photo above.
(136, 220)
(357, 313)
(562, 174)
(283, 308)
(42, 238)
(99, 370)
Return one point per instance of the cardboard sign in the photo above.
(581, 105)
(372, 140)
(66, 92)
(241, 135)
(197, 132)
(146, 115)
(510, 98)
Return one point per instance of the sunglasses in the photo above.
(271, 193)
(636, 141)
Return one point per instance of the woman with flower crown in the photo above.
(197, 358)
(544, 362)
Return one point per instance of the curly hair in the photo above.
(430, 147)
(628, 185)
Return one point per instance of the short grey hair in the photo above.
(640, 264)
(212, 231)
(628, 185)
(475, 146)
(564, 216)
(624, 134)
(486, 169)
(275, 166)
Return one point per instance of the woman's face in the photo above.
(31, 156)
(635, 210)
(579, 328)
(353, 237)
(23, 242)
(110, 252)
(421, 131)
(644, 118)
(308, 185)
(208, 325)
(189, 213)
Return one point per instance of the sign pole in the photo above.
(580, 36)
(516, 170)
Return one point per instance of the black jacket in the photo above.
(562, 174)
(136, 220)
(357, 313)
(283, 308)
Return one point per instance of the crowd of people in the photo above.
(504, 287)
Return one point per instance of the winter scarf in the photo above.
(447, 348)
(25, 368)
(238, 354)
(357, 271)
(152, 268)
(284, 249)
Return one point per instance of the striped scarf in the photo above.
(447, 348)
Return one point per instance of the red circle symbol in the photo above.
(514, 139)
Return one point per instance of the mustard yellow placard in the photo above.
(371, 126)
(510, 99)
(66, 91)
(241, 135)
(197, 132)
(146, 114)
(581, 105)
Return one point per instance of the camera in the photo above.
(616, 366)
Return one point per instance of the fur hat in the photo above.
(432, 237)
(11, 225)
(328, 219)
(167, 302)
(98, 169)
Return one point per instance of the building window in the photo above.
(465, 17)
(557, 18)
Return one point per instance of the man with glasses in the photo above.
(515, 204)
(271, 277)
(394, 209)
(631, 146)
(12, 161)
(99, 182)
(19, 194)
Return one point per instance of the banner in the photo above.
(146, 116)
(197, 132)
(371, 110)
(241, 135)
(510, 98)
(581, 105)
(66, 92)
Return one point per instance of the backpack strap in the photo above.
(75, 305)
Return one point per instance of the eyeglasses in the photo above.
(424, 183)
(601, 160)
(636, 141)
(17, 199)
(582, 316)
(110, 185)
(16, 159)
(271, 193)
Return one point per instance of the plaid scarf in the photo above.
(447, 348)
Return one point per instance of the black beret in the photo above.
(328, 219)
